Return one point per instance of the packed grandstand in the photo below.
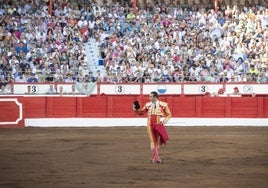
(149, 43)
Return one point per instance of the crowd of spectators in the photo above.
(156, 42)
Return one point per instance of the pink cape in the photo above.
(159, 129)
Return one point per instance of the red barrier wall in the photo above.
(109, 106)
(11, 113)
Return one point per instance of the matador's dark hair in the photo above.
(155, 94)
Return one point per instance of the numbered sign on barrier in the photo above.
(120, 89)
(203, 89)
(138, 89)
(197, 89)
(124, 89)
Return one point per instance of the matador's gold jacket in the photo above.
(159, 109)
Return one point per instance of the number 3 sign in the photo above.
(203, 89)
(119, 89)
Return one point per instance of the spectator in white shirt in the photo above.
(20, 78)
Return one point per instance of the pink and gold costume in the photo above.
(157, 112)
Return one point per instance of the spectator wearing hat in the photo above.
(221, 91)
(236, 91)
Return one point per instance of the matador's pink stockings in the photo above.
(155, 157)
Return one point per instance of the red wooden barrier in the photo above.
(109, 106)
(11, 113)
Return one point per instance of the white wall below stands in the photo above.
(113, 122)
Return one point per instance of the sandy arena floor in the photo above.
(119, 157)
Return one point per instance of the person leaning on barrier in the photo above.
(51, 89)
(236, 91)
(29, 90)
(73, 90)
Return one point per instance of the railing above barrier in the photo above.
(139, 89)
